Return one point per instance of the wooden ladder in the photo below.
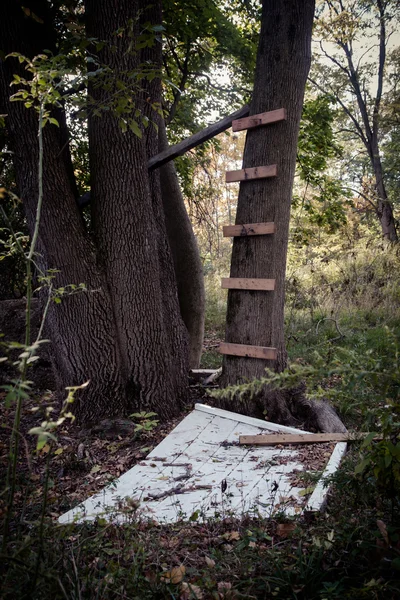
(250, 229)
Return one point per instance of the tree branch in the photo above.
(346, 110)
(381, 68)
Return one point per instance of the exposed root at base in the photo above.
(288, 407)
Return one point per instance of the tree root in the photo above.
(288, 407)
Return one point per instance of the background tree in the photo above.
(354, 39)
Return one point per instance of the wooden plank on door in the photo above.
(248, 351)
(238, 283)
(312, 438)
(251, 173)
(266, 118)
(248, 229)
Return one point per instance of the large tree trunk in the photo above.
(125, 333)
(82, 334)
(257, 317)
(185, 252)
(283, 62)
(128, 218)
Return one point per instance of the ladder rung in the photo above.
(248, 229)
(248, 351)
(261, 119)
(251, 173)
(232, 283)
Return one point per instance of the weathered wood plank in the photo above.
(195, 140)
(248, 351)
(248, 229)
(272, 116)
(251, 173)
(313, 438)
(237, 283)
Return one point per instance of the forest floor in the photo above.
(350, 551)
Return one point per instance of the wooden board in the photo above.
(248, 229)
(313, 438)
(251, 173)
(194, 140)
(232, 283)
(248, 351)
(261, 119)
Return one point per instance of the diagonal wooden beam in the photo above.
(195, 140)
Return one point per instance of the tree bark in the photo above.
(124, 334)
(186, 256)
(384, 209)
(82, 334)
(128, 220)
(257, 317)
(283, 61)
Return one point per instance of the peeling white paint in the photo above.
(211, 475)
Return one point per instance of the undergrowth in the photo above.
(343, 332)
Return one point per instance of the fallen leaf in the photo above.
(209, 562)
(175, 575)
(95, 469)
(284, 529)
(231, 536)
(383, 530)
(225, 589)
(190, 592)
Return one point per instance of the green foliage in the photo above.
(204, 42)
(146, 421)
(325, 198)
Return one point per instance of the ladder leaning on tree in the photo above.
(250, 229)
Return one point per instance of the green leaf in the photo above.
(360, 468)
(368, 439)
(306, 491)
(133, 126)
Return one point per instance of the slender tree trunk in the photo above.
(384, 207)
(128, 219)
(185, 252)
(82, 334)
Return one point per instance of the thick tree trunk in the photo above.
(125, 333)
(283, 61)
(81, 331)
(257, 317)
(185, 252)
(129, 223)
